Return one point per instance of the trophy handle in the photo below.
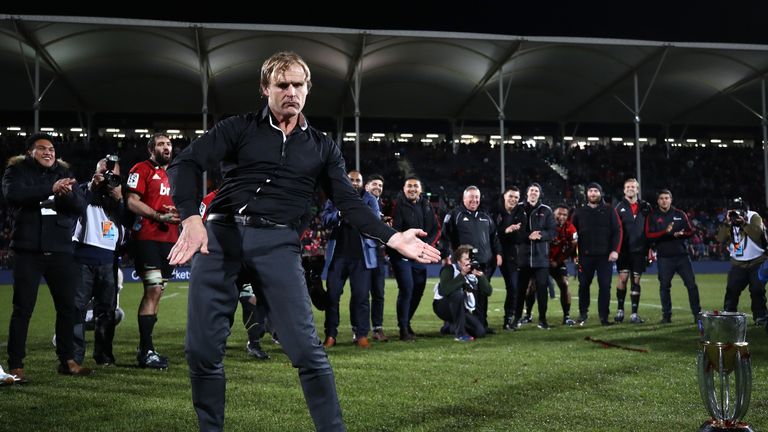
(707, 385)
(743, 381)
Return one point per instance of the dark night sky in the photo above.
(734, 22)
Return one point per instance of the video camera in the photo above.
(113, 180)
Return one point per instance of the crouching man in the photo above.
(455, 295)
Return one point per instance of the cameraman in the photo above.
(98, 234)
(456, 293)
(743, 232)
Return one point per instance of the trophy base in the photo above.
(716, 426)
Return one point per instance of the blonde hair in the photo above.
(280, 62)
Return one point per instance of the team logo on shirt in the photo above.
(133, 180)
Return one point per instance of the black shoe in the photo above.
(152, 360)
(666, 320)
(526, 319)
(606, 323)
(104, 359)
(543, 325)
(490, 330)
(254, 350)
(411, 332)
(405, 336)
(445, 329)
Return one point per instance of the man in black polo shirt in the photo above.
(279, 160)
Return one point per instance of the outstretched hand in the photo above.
(411, 246)
(193, 238)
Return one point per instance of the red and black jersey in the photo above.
(206, 204)
(151, 183)
(561, 248)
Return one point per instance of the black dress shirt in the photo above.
(274, 176)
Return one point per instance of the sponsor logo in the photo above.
(133, 180)
(165, 190)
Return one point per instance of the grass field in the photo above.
(530, 380)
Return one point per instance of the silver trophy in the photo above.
(725, 370)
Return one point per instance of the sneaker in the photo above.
(543, 325)
(151, 359)
(619, 316)
(666, 320)
(378, 335)
(465, 338)
(275, 340)
(526, 319)
(568, 321)
(635, 319)
(508, 324)
(254, 350)
(582, 319)
(330, 341)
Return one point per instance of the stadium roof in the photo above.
(116, 65)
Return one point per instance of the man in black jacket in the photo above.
(599, 235)
(411, 210)
(633, 257)
(44, 202)
(467, 224)
(669, 229)
(510, 221)
(533, 252)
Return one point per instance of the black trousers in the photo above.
(273, 256)
(681, 265)
(97, 281)
(540, 277)
(510, 273)
(738, 279)
(452, 310)
(61, 273)
(588, 266)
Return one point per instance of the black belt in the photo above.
(245, 220)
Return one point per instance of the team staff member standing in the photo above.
(599, 239)
(411, 210)
(279, 160)
(668, 228)
(44, 202)
(633, 256)
(533, 252)
(510, 220)
(375, 186)
(156, 230)
(467, 224)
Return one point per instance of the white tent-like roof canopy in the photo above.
(143, 66)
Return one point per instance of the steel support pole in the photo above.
(764, 123)
(36, 104)
(637, 134)
(501, 130)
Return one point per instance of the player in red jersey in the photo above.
(154, 233)
(562, 248)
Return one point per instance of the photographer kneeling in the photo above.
(743, 233)
(454, 298)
